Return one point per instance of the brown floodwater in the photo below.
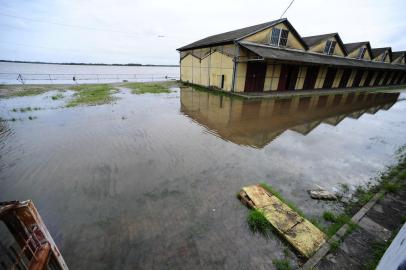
(150, 182)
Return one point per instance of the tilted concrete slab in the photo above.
(299, 232)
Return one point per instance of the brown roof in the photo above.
(378, 51)
(396, 55)
(269, 52)
(235, 35)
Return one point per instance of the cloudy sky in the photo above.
(148, 32)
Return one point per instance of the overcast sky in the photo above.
(148, 32)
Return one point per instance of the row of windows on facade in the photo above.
(279, 37)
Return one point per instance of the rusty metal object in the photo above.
(42, 257)
(36, 246)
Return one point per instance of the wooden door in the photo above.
(357, 78)
(369, 78)
(344, 78)
(330, 76)
(288, 77)
(311, 77)
(378, 78)
(255, 78)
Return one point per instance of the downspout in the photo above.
(235, 60)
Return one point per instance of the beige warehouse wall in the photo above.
(206, 66)
(264, 36)
(319, 47)
(272, 77)
(320, 77)
(355, 53)
(337, 78)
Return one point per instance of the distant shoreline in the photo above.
(87, 64)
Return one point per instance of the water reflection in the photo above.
(256, 123)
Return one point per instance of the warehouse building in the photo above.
(273, 57)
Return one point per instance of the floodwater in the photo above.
(64, 74)
(150, 182)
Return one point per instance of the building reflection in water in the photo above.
(256, 123)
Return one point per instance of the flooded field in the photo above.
(150, 181)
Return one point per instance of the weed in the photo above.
(91, 94)
(402, 175)
(26, 109)
(328, 216)
(31, 117)
(13, 119)
(258, 222)
(283, 264)
(57, 96)
(392, 186)
(143, 88)
(334, 245)
(15, 110)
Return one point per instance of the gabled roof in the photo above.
(396, 55)
(356, 45)
(378, 51)
(313, 40)
(235, 35)
(269, 52)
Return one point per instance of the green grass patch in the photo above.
(91, 94)
(27, 92)
(378, 249)
(334, 245)
(283, 264)
(258, 222)
(151, 88)
(336, 222)
(57, 96)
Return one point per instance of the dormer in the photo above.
(359, 50)
(382, 54)
(281, 35)
(329, 44)
(399, 57)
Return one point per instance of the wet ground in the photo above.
(150, 182)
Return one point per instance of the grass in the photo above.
(334, 245)
(57, 96)
(283, 264)
(91, 94)
(258, 222)
(152, 88)
(336, 222)
(28, 92)
(26, 109)
(378, 249)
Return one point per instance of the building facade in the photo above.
(274, 57)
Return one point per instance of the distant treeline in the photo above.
(88, 64)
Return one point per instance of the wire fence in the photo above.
(55, 78)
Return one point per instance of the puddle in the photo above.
(150, 181)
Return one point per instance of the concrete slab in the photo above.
(375, 229)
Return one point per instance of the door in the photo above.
(330, 76)
(311, 77)
(344, 78)
(369, 78)
(288, 77)
(357, 78)
(378, 78)
(255, 78)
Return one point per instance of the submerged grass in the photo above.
(258, 222)
(57, 96)
(152, 88)
(92, 94)
(283, 264)
(336, 222)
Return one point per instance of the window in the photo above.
(330, 46)
(361, 52)
(384, 56)
(279, 37)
